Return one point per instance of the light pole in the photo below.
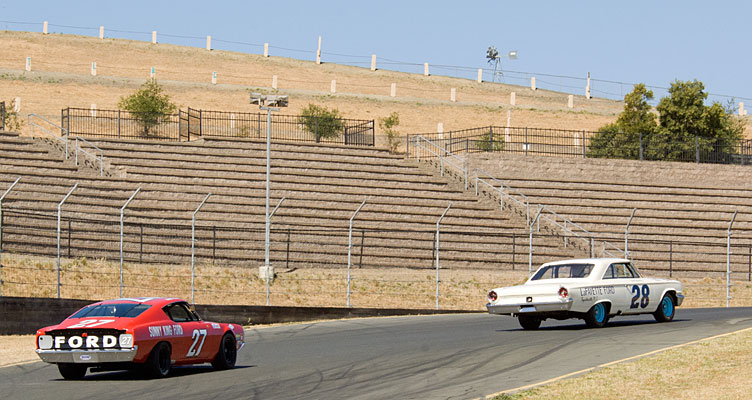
(269, 103)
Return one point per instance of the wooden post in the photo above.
(453, 95)
(274, 81)
(101, 32)
(333, 88)
(93, 68)
(373, 62)
(152, 72)
(570, 101)
(425, 69)
(318, 52)
(512, 98)
(532, 83)
(28, 63)
(587, 88)
(480, 75)
(208, 42)
(393, 92)
(154, 37)
(214, 78)
(44, 27)
(266, 49)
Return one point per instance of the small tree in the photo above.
(11, 122)
(489, 142)
(389, 126)
(322, 122)
(149, 105)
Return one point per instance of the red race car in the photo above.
(152, 334)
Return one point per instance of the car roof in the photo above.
(155, 301)
(597, 261)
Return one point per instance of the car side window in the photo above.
(633, 271)
(610, 272)
(179, 313)
(619, 271)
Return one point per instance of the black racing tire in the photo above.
(597, 316)
(71, 371)
(159, 363)
(666, 309)
(529, 323)
(227, 354)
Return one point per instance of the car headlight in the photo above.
(45, 342)
(126, 341)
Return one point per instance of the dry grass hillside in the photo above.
(61, 77)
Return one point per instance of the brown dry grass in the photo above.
(714, 369)
(388, 288)
(61, 64)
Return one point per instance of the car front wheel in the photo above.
(227, 354)
(666, 309)
(72, 371)
(597, 316)
(529, 323)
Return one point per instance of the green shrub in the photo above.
(322, 122)
(388, 125)
(149, 105)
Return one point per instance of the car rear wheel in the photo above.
(227, 354)
(72, 371)
(666, 309)
(597, 316)
(529, 323)
(159, 363)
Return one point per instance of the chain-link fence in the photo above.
(385, 268)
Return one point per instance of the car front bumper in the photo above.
(679, 299)
(87, 356)
(525, 308)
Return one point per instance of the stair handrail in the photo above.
(457, 162)
(101, 154)
(64, 140)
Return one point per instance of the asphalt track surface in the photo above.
(442, 357)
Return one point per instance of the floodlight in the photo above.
(257, 98)
(276, 101)
(513, 55)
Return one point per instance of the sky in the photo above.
(654, 42)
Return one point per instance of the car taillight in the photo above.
(563, 292)
(492, 296)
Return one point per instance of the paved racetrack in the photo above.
(444, 356)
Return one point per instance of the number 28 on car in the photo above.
(151, 334)
(593, 289)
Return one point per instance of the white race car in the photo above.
(593, 289)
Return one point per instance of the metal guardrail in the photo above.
(101, 153)
(507, 192)
(63, 138)
(444, 156)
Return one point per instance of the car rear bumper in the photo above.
(525, 308)
(87, 356)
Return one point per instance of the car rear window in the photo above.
(122, 310)
(563, 271)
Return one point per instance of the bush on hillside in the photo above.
(149, 105)
(389, 126)
(322, 122)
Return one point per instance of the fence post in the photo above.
(122, 211)
(584, 154)
(438, 242)
(59, 211)
(728, 260)
(697, 149)
(119, 124)
(193, 245)
(317, 129)
(287, 255)
(514, 251)
(214, 243)
(526, 143)
(69, 237)
(200, 123)
(349, 250)
(1, 229)
(670, 258)
(490, 139)
(641, 150)
(141, 243)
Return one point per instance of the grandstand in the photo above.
(322, 186)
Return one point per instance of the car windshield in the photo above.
(123, 310)
(563, 271)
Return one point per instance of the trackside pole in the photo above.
(349, 250)
(59, 211)
(1, 231)
(728, 260)
(626, 235)
(122, 211)
(193, 244)
(437, 253)
(530, 242)
(268, 270)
